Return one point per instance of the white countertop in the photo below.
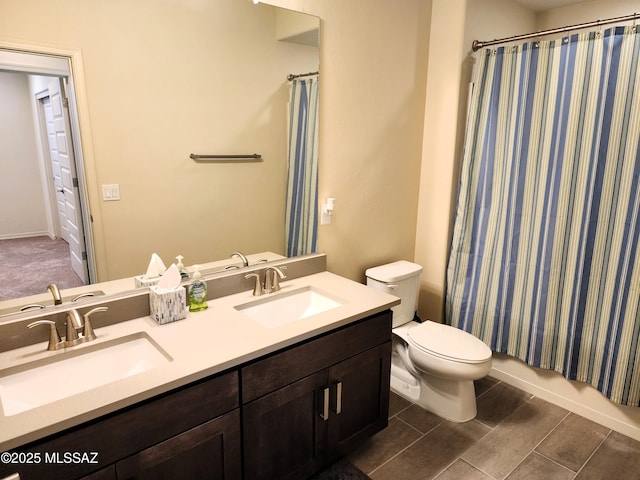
(203, 344)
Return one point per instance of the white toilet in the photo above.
(433, 365)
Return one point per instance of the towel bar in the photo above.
(222, 158)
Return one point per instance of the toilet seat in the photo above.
(448, 343)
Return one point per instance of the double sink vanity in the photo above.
(273, 386)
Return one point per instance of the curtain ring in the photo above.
(599, 30)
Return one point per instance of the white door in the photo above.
(69, 181)
(61, 229)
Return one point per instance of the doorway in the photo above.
(57, 204)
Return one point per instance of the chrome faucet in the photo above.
(272, 276)
(245, 261)
(74, 323)
(57, 298)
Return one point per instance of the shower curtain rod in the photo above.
(291, 76)
(477, 44)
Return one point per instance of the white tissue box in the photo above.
(142, 281)
(169, 306)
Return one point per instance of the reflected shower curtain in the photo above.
(301, 223)
(545, 261)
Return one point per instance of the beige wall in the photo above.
(373, 73)
(163, 80)
(586, 12)
(458, 23)
(374, 56)
(438, 153)
(19, 160)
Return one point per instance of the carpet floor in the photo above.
(30, 264)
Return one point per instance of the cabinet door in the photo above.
(108, 473)
(284, 432)
(210, 450)
(359, 399)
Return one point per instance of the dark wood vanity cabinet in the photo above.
(312, 403)
(210, 450)
(195, 428)
(282, 416)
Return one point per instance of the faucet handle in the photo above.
(30, 306)
(55, 342)
(257, 287)
(82, 295)
(88, 328)
(278, 273)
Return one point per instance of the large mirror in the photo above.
(162, 80)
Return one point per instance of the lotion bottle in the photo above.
(197, 292)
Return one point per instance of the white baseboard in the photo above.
(576, 397)
(11, 236)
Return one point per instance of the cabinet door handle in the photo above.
(325, 407)
(338, 398)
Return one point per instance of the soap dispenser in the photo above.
(197, 292)
(183, 273)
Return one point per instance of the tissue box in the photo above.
(169, 306)
(142, 281)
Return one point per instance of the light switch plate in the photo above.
(110, 192)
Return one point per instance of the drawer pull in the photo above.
(338, 398)
(325, 405)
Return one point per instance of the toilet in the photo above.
(433, 365)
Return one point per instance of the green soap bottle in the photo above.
(197, 293)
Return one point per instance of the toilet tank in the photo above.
(401, 279)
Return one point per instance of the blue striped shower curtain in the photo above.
(301, 223)
(545, 261)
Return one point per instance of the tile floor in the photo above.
(514, 436)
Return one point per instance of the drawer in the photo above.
(296, 362)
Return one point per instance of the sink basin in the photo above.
(66, 374)
(276, 310)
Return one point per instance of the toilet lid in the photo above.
(394, 272)
(448, 342)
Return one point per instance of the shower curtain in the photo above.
(545, 261)
(301, 223)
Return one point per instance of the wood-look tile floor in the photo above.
(514, 436)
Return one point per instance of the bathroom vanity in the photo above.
(236, 400)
